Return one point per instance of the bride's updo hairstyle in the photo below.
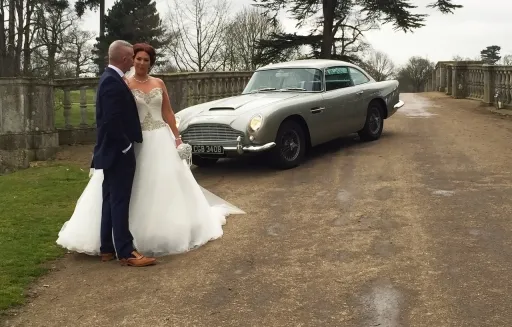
(147, 49)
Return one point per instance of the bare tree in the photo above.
(240, 46)
(461, 58)
(348, 34)
(506, 60)
(78, 50)
(50, 27)
(415, 73)
(198, 26)
(379, 65)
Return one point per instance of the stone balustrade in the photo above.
(473, 80)
(36, 116)
(77, 124)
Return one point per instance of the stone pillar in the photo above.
(27, 123)
(448, 80)
(455, 85)
(459, 86)
(434, 80)
(488, 84)
(442, 78)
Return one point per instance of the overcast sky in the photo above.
(479, 24)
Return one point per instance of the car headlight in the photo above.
(178, 120)
(256, 122)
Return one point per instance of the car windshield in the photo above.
(285, 79)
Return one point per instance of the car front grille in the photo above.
(210, 133)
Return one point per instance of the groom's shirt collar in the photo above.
(117, 70)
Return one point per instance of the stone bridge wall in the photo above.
(473, 80)
(36, 116)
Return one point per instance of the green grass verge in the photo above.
(35, 204)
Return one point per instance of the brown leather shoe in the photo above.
(138, 260)
(107, 256)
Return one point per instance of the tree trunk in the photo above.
(77, 58)
(11, 38)
(328, 7)
(52, 51)
(101, 62)
(20, 9)
(3, 52)
(27, 51)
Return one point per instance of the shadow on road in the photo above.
(257, 165)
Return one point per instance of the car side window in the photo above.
(358, 77)
(337, 78)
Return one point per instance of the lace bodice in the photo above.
(149, 106)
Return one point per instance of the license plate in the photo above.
(207, 149)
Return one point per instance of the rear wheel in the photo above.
(374, 123)
(204, 162)
(290, 145)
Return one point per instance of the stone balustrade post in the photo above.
(66, 102)
(94, 104)
(83, 106)
(489, 77)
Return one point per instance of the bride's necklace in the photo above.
(144, 81)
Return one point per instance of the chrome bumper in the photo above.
(399, 104)
(240, 149)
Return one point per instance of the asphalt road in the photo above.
(411, 230)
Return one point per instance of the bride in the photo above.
(169, 212)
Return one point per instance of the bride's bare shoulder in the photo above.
(157, 82)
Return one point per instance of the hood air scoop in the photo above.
(221, 108)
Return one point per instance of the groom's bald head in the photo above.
(120, 54)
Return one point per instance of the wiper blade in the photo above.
(293, 89)
(264, 89)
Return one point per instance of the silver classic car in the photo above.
(287, 108)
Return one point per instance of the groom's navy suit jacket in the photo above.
(117, 120)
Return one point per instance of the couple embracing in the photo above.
(142, 200)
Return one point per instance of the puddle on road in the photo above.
(383, 305)
(343, 196)
(274, 229)
(443, 192)
(416, 107)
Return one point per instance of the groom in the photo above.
(118, 127)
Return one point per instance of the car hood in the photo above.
(234, 109)
(241, 104)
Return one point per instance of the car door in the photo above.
(361, 100)
(339, 101)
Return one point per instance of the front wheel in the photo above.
(290, 145)
(203, 162)
(374, 123)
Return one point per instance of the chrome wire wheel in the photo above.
(290, 145)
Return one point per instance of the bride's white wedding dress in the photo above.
(169, 212)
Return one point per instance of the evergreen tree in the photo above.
(133, 21)
(334, 14)
(491, 54)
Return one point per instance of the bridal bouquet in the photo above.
(185, 152)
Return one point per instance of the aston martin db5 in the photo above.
(287, 108)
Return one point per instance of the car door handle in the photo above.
(360, 92)
(317, 110)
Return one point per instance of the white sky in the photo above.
(479, 24)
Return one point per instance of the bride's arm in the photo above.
(167, 112)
